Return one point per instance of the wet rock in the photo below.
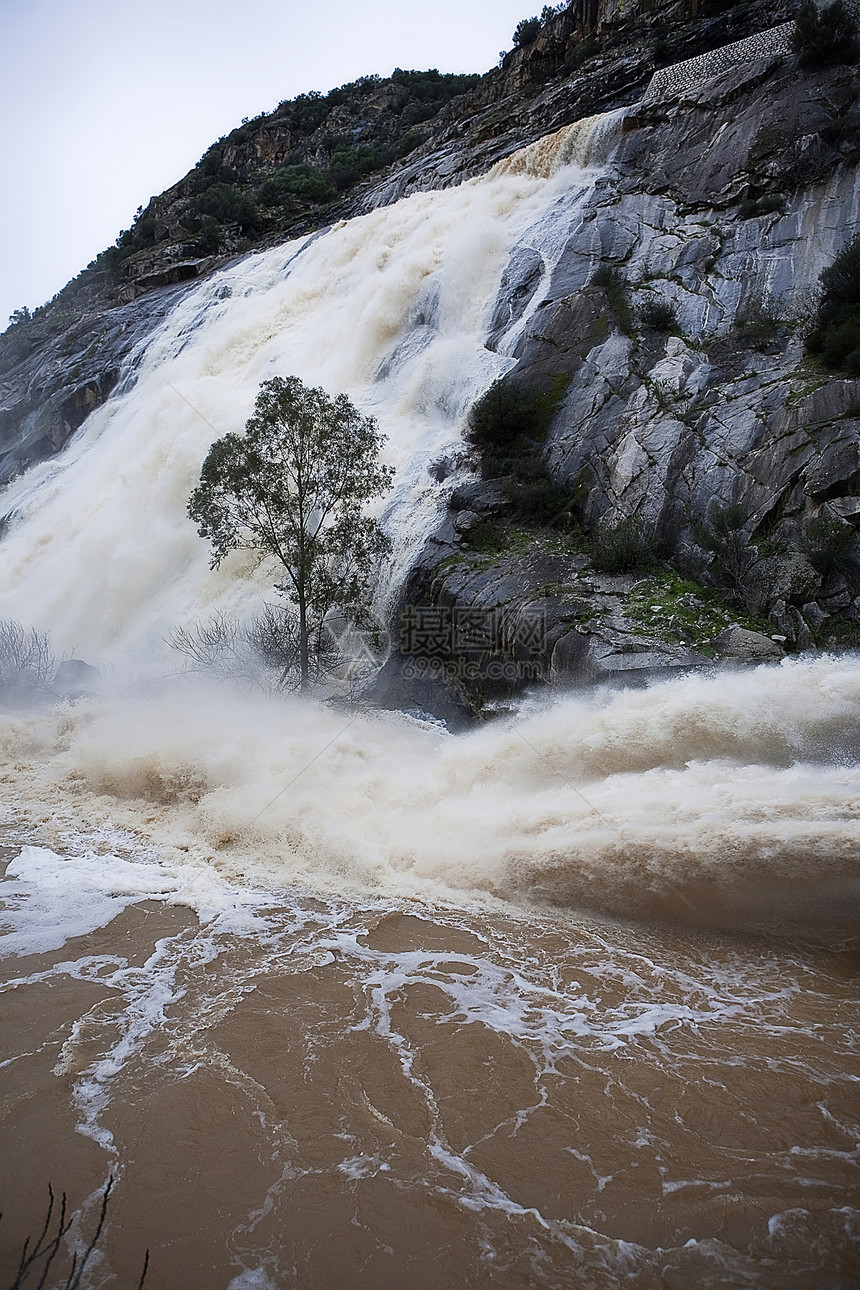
(744, 646)
(74, 678)
(519, 283)
(814, 615)
(612, 654)
(48, 390)
(833, 598)
(484, 496)
(784, 620)
(803, 638)
(466, 521)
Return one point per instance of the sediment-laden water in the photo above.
(569, 1000)
(339, 999)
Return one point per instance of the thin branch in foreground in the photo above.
(46, 1249)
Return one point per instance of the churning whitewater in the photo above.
(724, 800)
(337, 998)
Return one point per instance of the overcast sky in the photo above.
(106, 103)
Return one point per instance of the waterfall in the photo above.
(587, 142)
(391, 308)
(394, 308)
(337, 998)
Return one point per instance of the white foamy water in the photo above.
(714, 797)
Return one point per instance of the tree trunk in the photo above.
(303, 641)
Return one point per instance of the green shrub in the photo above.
(511, 418)
(541, 503)
(757, 323)
(659, 315)
(835, 334)
(526, 31)
(504, 418)
(827, 543)
(769, 204)
(581, 53)
(208, 239)
(434, 86)
(229, 205)
(824, 36)
(348, 165)
(623, 546)
(617, 289)
(303, 181)
(737, 564)
(309, 111)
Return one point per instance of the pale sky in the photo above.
(104, 104)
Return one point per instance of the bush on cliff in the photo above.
(506, 418)
(737, 566)
(509, 423)
(824, 36)
(302, 181)
(624, 546)
(614, 283)
(659, 315)
(835, 335)
(526, 31)
(828, 544)
(230, 206)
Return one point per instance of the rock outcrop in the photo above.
(712, 409)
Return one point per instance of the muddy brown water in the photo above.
(384, 1096)
(342, 1001)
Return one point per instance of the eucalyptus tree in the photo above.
(295, 486)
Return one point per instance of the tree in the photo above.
(294, 487)
(827, 35)
(835, 334)
(526, 31)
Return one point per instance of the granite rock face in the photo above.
(715, 408)
(60, 368)
(724, 408)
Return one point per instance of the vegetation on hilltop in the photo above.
(294, 169)
(272, 175)
(263, 176)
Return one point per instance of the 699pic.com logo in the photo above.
(471, 645)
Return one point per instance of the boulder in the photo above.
(744, 646)
(75, 678)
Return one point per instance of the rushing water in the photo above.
(343, 1000)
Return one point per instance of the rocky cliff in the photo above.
(701, 476)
